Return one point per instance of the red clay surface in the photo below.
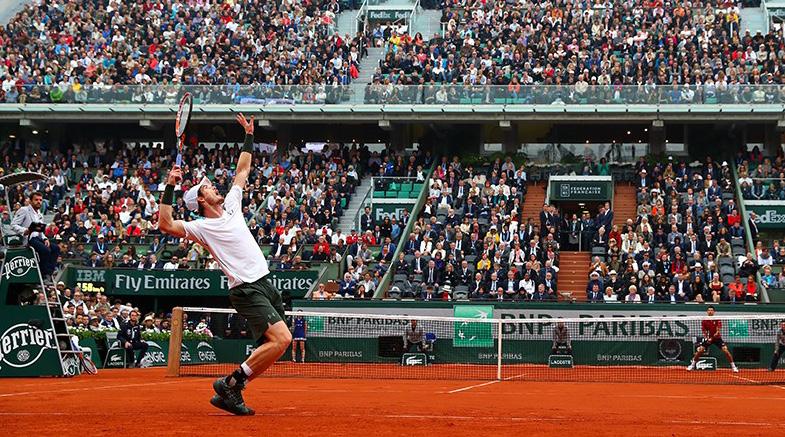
(145, 401)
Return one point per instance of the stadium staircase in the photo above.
(347, 222)
(752, 19)
(573, 275)
(428, 23)
(345, 22)
(625, 204)
(368, 65)
(532, 205)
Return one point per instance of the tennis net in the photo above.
(371, 346)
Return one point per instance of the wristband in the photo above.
(168, 197)
(248, 144)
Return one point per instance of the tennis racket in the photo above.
(181, 122)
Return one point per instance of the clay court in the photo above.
(145, 400)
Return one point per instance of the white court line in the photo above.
(146, 384)
(486, 383)
(746, 379)
(714, 422)
(474, 386)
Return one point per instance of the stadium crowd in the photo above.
(687, 243)
(80, 51)
(639, 51)
(369, 247)
(469, 241)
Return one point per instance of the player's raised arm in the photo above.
(166, 222)
(244, 162)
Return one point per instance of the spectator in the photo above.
(130, 338)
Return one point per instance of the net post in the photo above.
(499, 353)
(175, 342)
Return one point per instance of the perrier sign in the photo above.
(473, 334)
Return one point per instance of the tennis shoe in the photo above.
(232, 397)
(735, 369)
(218, 402)
(691, 367)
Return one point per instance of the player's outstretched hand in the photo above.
(247, 124)
(175, 176)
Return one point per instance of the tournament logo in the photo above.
(565, 191)
(22, 345)
(18, 266)
(418, 359)
(206, 352)
(670, 349)
(155, 354)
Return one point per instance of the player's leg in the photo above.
(730, 357)
(775, 359)
(262, 306)
(698, 353)
(142, 346)
(277, 341)
(294, 350)
(302, 351)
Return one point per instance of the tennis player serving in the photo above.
(711, 336)
(224, 233)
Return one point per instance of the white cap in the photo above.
(192, 193)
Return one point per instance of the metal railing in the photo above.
(749, 244)
(388, 93)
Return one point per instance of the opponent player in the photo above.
(224, 233)
(711, 336)
(300, 331)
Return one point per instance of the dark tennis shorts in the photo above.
(261, 305)
(719, 342)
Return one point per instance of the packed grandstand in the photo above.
(466, 225)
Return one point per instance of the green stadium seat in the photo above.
(466, 101)
(393, 186)
(344, 203)
(414, 194)
(500, 100)
(391, 194)
(477, 101)
(379, 194)
(417, 187)
(406, 186)
(403, 194)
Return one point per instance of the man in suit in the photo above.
(129, 338)
(418, 264)
(367, 221)
(464, 273)
(643, 179)
(753, 226)
(155, 245)
(682, 285)
(432, 276)
(594, 294)
(347, 286)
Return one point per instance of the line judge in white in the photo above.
(224, 233)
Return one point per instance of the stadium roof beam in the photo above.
(371, 114)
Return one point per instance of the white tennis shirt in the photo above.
(230, 242)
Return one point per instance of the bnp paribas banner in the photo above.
(179, 282)
(602, 323)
